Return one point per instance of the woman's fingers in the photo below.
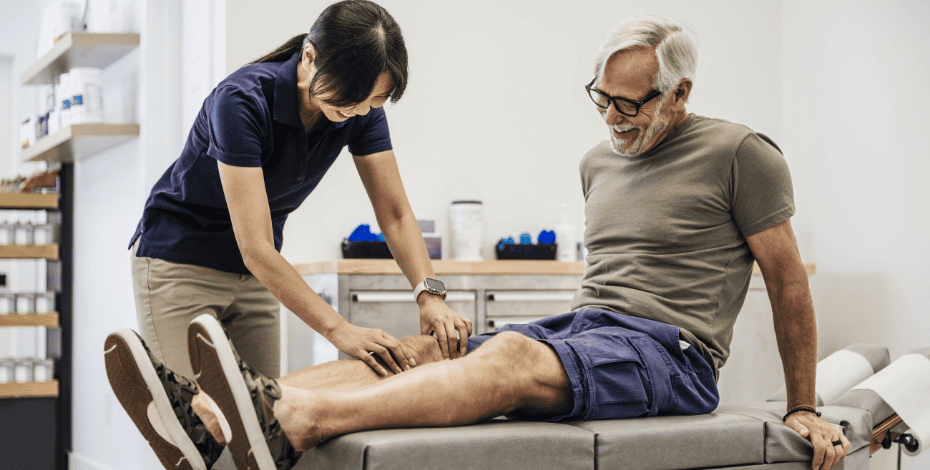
(468, 324)
(443, 337)
(452, 337)
(398, 351)
(463, 330)
(372, 362)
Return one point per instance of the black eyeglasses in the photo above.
(624, 106)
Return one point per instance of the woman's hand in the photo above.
(452, 330)
(359, 342)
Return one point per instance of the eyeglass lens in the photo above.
(603, 101)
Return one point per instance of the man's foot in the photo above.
(159, 403)
(244, 397)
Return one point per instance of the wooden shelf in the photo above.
(28, 251)
(29, 319)
(76, 49)
(28, 201)
(389, 266)
(29, 389)
(78, 141)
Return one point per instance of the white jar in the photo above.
(87, 97)
(23, 369)
(27, 130)
(466, 226)
(43, 370)
(7, 371)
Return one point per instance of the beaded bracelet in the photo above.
(807, 408)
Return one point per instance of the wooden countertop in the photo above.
(388, 266)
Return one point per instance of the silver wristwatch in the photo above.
(433, 286)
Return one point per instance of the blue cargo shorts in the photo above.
(621, 366)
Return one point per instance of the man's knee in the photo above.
(534, 368)
(527, 355)
(512, 351)
(424, 347)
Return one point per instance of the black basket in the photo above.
(514, 251)
(370, 250)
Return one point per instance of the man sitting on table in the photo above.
(678, 208)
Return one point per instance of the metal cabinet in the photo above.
(386, 301)
(398, 314)
(524, 306)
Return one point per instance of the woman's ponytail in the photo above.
(283, 52)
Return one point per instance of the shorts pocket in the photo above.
(615, 376)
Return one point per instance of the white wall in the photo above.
(856, 121)
(496, 110)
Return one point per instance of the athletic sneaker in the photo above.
(159, 403)
(244, 396)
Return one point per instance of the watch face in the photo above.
(434, 285)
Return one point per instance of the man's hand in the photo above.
(822, 435)
(359, 342)
(452, 330)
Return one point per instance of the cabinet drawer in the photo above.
(512, 306)
(396, 312)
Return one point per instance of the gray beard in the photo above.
(635, 149)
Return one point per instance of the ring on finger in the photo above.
(837, 442)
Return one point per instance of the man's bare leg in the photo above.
(353, 374)
(333, 376)
(509, 372)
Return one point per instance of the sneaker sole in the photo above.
(218, 374)
(138, 388)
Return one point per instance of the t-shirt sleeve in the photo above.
(236, 128)
(762, 192)
(371, 135)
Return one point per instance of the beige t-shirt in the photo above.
(666, 232)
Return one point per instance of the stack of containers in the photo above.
(76, 99)
(80, 97)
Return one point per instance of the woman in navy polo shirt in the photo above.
(211, 232)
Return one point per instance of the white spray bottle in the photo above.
(565, 238)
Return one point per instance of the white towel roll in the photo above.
(905, 386)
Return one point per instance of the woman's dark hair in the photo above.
(355, 41)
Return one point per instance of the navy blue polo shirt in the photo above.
(251, 119)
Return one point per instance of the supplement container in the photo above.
(466, 226)
(22, 233)
(43, 370)
(42, 234)
(45, 302)
(87, 97)
(27, 131)
(7, 371)
(22, 371)
(25, 302)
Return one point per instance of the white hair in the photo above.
(675, 46)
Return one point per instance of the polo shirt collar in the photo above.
(286, 100)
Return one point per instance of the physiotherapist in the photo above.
(211, 231)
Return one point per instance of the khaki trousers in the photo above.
(169, 295)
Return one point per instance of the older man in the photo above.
(678, 208)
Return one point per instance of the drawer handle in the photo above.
(375, 297)
(532, 297)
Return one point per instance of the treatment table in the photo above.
(748, 436)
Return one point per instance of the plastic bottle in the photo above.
(565, 238)
(87, 99)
